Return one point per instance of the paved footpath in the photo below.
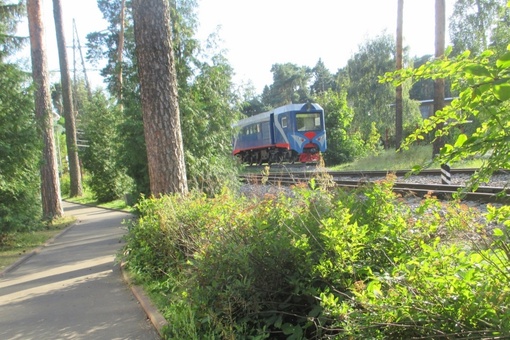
(73, 288)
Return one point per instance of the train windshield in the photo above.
(308, 121)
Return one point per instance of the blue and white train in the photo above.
(289, 133)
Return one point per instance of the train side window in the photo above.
(284, 122)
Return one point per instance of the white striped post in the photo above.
(446, 175)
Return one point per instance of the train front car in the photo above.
(290, 133)
(300, 128)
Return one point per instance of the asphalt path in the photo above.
(73, 287)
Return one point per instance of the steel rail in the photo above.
(486, 194)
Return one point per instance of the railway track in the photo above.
(356, 179)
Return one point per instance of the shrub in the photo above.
(362, 264)
(412, 275)
(65, 185)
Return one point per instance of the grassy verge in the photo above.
(15, 245)
(88, 198)
(388, 160)
(391, 160)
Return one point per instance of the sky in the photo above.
(259, 33)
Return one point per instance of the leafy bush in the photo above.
(65, 185)
(360, 264)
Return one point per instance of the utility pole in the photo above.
(87, 84)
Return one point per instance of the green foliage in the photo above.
(100, 123)
(19, 143)
(342, 146)
(323, 79)
(65, 185)
(484, 97)
(373, 143)
(402, 160)
(316, 265)
(207, 117)
(290, 85)
(10, 14)
(501, 235)
(19, 153)
(413, 280)
(369, 98)
(241, 273)
(205, 99)
(443, 288)
(476, 25)
(133, 151)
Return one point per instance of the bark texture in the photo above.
(439, 86)
(398, 92)
(50, 185)
(158, 82)
(69, 114)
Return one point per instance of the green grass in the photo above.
(386, 160)
(392, 160)
(15, 245)
(88, 199)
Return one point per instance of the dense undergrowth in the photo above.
(322, 265)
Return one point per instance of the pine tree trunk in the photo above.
(439, 87)
(50, 185)
(120, 50)
(158, 81)
(398, 102)
(69, 114)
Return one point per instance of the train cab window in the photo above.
(284, 122)
(308, 121)
(251, 130)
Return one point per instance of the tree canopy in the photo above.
(206, 97)
(483, 84)
(476, 25)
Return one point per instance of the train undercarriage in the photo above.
(278, 156)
